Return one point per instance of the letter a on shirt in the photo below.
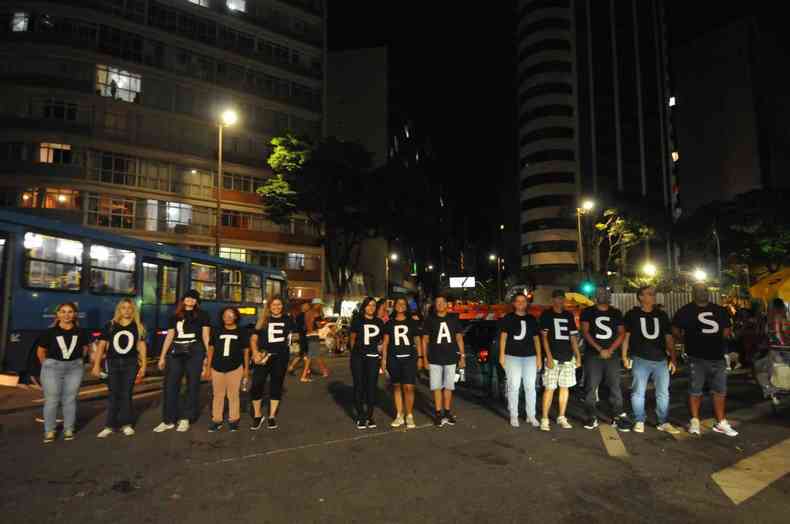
(656, 328)
(227, 339)
(276, 332)
(370, 331)
(67, 351)
(401, 335)
(116, 342)
(706, 317)
(444, 332)
(605, 331)
(523, 333)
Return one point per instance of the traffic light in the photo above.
(587, 287)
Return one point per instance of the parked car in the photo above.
(482, 367)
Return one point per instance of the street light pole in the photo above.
(718, 255)
(219, 193)
(499, 278)
(580, 245)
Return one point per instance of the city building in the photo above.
(593, 119)
(109, 113)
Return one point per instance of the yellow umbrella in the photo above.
(578, 298)
(774, 285)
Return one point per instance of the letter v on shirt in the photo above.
(67, 351)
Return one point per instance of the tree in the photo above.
(616, 232)
(331, 185)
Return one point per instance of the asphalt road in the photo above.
(317, 467)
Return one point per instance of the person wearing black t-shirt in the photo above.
(122, 341)
(229, 358)
(648, 339)
(270, 357)
(61, 350)
(603, 330)
(367, 332)
(300, 330)
(520, 357)
(443, 337)
(703, 327)
(184, 353)
(559, 332)
(399, 359)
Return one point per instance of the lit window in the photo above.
(233, 253)
(672, 101)
(54, 153)
(20, 22)
(675, 156)
(112, 270)
(252, 288)
(237, 5)
(295, 261)
(204, 281)
(117, 84)
(61, 199)
(201, 3)
(231, 285)
(53, 263)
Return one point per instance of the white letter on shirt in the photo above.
(523, 333)
(180, 331)
(607, 331)
(713, 326)
(401, 335)
(370, 331)
(276, 333)
(444, 332)
(67, 351)
(656, 327)
(129, 342)
(561, 329)
(227, 339)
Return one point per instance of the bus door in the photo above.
(160, 293)
(4, 300)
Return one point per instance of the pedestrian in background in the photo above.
(300, 330)
(312, 323)
(122, 341)
(184, 353)
(61, 350)
(229, 357)
(399, 359)
(367, 332)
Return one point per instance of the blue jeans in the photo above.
(642, 371)
(521, 370)
(61, 381)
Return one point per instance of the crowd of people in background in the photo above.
(401, 342)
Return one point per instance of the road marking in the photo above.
(612, 441)
(748, 477)
(314, 445)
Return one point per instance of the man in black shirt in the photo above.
(649, 340)
(703, 326)
(602, 329)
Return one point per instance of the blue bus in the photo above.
(45, 262)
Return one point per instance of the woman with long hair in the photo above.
(61, 350)
(312, 320)
(366, 334)
(229, 357)
(184, 353)
(123, 343)
(399, 358)
(270, 352)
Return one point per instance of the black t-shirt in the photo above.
(273, 337)
(648, 332)
(603, 325)
(121, 340)
(703, 329)
(229, 346)
(64, 344)
(401, 337)
(520, 334)
(300, 324)
(189, 330)
(441, 332)
(369, 332)
(559, 328)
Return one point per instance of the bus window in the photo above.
(160, 284)
(231, 285)
(204, 281)
(169, 285)
(112, 270)
(53, 263)
(252, 288)
(274, 288)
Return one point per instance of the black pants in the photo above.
(365, 372)
(177, 367)
(121, 373)
(276, 367)
(595, 369)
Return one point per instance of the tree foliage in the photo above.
(617, 231)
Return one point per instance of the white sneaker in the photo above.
(164, 426)
(563, 422)
(410, 422)
(694, 427)
(666, 427)
(514, 422)
(106, 432)
(639, 427)
(127, 430)
(724, 427)
(183, 425)
(533, 422)
(398, 422)
(544, 424)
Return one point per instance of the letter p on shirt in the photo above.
(370, 331)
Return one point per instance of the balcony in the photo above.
(303, 276)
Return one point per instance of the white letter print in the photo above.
(227, 340)
(180, 331)
(656, 328)
(67, 351)
(561, 329)
(275, 332)
(116, 342)
(370, 331)
(523, 334)
(401, 335)
(706, 317)
(444, 333)
(606, 330)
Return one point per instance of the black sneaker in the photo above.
(214, 427)
(437, 420)
(623, 423)
(361, 424)
(257, 423)
(271, 423)
(592, 423)
(371, 423)
(449, 418)
(233, 426)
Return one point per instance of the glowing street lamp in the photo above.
(228, 118)
(394, 258)
(649, 269)
(700, 275)
(587, 205)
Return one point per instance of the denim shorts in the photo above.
(714, 372)
(442, 377)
